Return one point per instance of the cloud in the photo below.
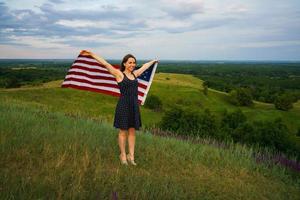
(267, 44)
(193, 25)
(56, 1)
(183, 9)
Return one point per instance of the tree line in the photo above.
(265, 82)
(17, 77)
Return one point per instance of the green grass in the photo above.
(51, 155)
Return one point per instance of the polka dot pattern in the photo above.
(127, 112)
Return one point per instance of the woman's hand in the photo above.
(155, 61)
(86, 53)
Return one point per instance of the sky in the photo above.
(156, 29)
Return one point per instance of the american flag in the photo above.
(88, 74)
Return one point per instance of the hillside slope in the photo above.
(50, 155)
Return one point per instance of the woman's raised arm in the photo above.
(145, 66)
(115, 72)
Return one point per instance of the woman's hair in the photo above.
(125, 60)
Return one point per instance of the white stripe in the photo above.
(87, 59)
(141, 90)
(91, 86)
(140, 98)
(91, 73)
(143, 82)
(90, 66)
(92, 80)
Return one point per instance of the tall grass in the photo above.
(49, 155)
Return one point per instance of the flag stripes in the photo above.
(87, 74)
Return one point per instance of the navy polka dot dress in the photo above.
(127, 113)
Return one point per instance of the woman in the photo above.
(127, 113)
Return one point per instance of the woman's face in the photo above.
(130, 64)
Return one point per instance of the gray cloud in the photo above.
(183, 10)
(56, 1)
(231, 25)
(29, 23)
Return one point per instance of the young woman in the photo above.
(127, 114)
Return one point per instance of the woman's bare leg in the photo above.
(122, 143)
(131, 141)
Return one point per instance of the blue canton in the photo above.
(147, 74)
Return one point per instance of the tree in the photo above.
(274, 134)
(205, 87)
(232, 120)
(244, 133)
(284, 102)
(13, 82)
(171, 119)
(189, 122)
(153, 102)
(241, 97)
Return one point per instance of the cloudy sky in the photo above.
(162, 29)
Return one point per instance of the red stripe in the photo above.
(89, 62)
(116, 66)
(92, 83)
(141, 85)
(141, 93)
(84, 56)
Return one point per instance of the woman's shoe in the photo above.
(123, 162)
(130, 160)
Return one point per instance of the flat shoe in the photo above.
(123, 162)
(130, 160)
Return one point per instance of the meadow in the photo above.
(50, 154)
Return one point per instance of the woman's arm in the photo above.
(145, 66)
(115, 72)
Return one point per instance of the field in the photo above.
(52, 155)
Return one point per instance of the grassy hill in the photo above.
(51, 155)
(59, 143)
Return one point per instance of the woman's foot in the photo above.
(130, 159)
(123, 161)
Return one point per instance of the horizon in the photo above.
(162, 60)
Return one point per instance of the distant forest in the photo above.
(264, 81)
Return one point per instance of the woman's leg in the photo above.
(131, 141)
(122, 143)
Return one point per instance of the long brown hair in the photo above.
(125, 60)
